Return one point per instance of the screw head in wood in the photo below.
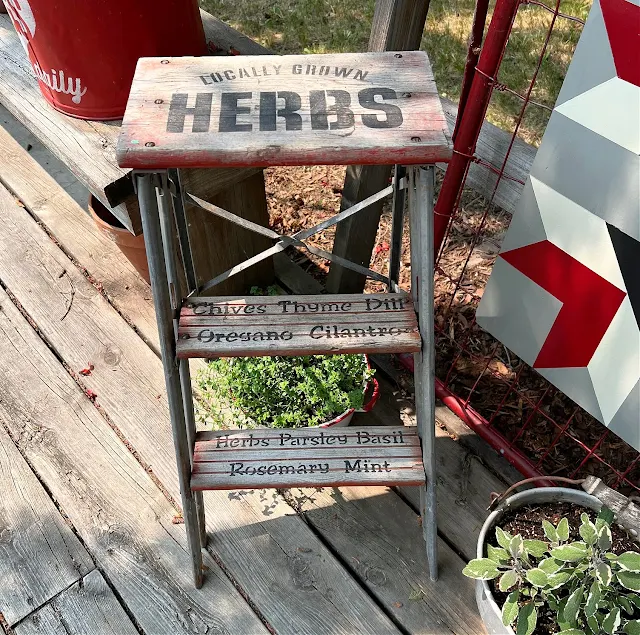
(164, 61)
(149, 144)
(398, 55)
(416, 139)
(159, 101)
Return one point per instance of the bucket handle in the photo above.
(497, 498)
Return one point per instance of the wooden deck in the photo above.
(90, 540)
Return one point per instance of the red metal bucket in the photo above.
(84, 53)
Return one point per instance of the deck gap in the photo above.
(4, 627)
(291, 501)
(239, 588)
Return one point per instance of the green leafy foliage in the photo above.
(629, 561)
(536, 548)
(285, 392)
(510, 608)
(481, 569)
(591, 590)
(632, 627)
(527, 619)
(629, 580)
(611, 622)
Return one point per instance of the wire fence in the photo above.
(510, 405)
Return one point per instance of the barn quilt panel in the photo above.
(564, 294)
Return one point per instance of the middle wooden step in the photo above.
(297, 325)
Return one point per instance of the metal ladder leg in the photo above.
(153, 207)
(395, 253)
(421, 187)
(179, 215)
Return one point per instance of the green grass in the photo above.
(323, 26)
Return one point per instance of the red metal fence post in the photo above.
(473, 54)
(474, 112)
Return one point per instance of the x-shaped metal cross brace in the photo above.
(297, 239)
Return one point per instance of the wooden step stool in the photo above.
(369, 108)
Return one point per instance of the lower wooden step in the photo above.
(307, 457)
(297, 325)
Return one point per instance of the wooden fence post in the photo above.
(397, 26)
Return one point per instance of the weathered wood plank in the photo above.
(212, 309)
(78, 234)
(283, 325)
(67, 222)
(293, 277)
(217, 245)
(206, 460)
(492, 147)
(120, 514)
(40, 556)
(326, 472)
(307, 458)
(398, 25)
(221, 37)
(286, 110)
(352, 436)
(89, 606)
(256, 535)
(379, 538)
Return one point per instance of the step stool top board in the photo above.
(262, 110)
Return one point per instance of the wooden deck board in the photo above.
(378, 537)
(122, 517)
(39, 554)
(464, 483)
(78, 235)
(87, 607)
(129, 383)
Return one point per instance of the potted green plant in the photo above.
(285, 392)
(551, 560)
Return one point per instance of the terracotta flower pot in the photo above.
(131, 246)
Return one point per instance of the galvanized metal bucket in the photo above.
(490, 612)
